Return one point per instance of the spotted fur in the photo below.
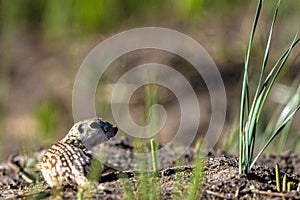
(68, 161)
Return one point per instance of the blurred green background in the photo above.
(44, 42)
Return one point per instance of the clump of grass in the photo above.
(250, 112)
(197, 175)
(147, 180)
(127, 189)
(179, 189)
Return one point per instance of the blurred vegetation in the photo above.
(60, 18)
(47, 115)
(54, 18)
(43, 43)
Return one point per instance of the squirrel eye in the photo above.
(105, 126)
(95, 125)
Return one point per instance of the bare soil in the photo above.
(20, 178)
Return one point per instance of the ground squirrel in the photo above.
(68, 161)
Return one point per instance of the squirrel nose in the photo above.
(115, 129)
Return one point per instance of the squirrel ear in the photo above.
(80, 129)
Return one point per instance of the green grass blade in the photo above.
(278, 61)
(257, 101)
(260, 102)
(254, 115)
(245, 88)
(267, 52)
(291, 104)
(154, 156)
(244, 107)
(254, 25)
(251, 131)
(249, 116)
(277, 176)
(283, 61)
(276, 132)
